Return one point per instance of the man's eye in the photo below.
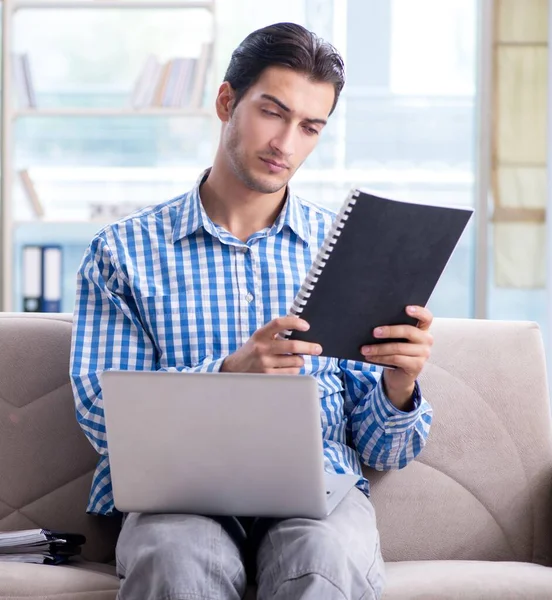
(311, 131)
(270, 113)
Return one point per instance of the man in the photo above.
(203, 283)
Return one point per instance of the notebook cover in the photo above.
(390, 254)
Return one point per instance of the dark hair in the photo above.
(286, 45)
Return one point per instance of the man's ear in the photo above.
(225, 101)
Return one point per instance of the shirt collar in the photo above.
(192, 215)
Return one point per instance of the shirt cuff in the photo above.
(209, 366)
(389, 416)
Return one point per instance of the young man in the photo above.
(203, 283)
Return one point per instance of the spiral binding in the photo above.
(323, 254)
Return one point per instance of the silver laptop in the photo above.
(218, 444)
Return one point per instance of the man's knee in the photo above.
(316, 556)
(153, 537)
(174, 554)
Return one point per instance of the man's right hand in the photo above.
(266, 352)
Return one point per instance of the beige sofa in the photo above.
(471, 519)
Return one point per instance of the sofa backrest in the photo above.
(481, 488)
(46, 463)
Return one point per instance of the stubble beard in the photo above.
(238, 165)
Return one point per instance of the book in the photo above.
(141, 94)
(380, 256)
(162, 82)
(38, 558)
(28, 537)
(200, 78)
(51, 278)
(32, 279)
(185, 87)
(31, 193)
(29, 84)
(20, 80)
(40, 546)
(169, 99)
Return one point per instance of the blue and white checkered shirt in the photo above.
(166, 289)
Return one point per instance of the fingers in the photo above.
(409, 364)
(407, 332)
(424, 316)
(281, 324)
(289, 371)
(295, 347)
(377, 351)
(280, 362)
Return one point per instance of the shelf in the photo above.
(306, 175)
(122, 4)
(112, 112)
(70, 223)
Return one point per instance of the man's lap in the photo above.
(343, 548)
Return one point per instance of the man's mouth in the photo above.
(275, 166)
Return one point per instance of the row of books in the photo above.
(176, 83)
(42, 278)
(39, 546)
(23, 81)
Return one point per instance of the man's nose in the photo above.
(284, 143)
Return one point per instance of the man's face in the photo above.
(274, 127)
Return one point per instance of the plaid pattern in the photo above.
(167, 289)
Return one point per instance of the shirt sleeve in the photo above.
(107, 334)
(384, 436)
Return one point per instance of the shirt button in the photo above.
(244, 249)
(249, 297)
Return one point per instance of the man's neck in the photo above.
(241, 211)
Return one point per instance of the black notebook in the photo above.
(379, 256)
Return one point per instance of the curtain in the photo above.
(520, 53)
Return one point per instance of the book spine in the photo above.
(32, 278)
(51, 278)
(323, 254)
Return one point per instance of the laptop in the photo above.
(218, 444)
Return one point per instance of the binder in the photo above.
(32, 278)
(379, 256)
(40, 546)
(51, 278)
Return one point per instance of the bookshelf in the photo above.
(75, 232)
(111, 112)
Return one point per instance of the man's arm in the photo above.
(107, 334)
(389, 420)
(384, 436)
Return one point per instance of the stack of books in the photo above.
(176, 83)
(39, 546)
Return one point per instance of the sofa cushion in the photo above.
(46, 462)
(83, 582)
(467, 580)
(482, 487)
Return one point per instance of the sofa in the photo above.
(470, 519)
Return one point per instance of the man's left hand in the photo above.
(408, 357)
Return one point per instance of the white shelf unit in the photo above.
(102, 4)
(10, 113)
(111, 112)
